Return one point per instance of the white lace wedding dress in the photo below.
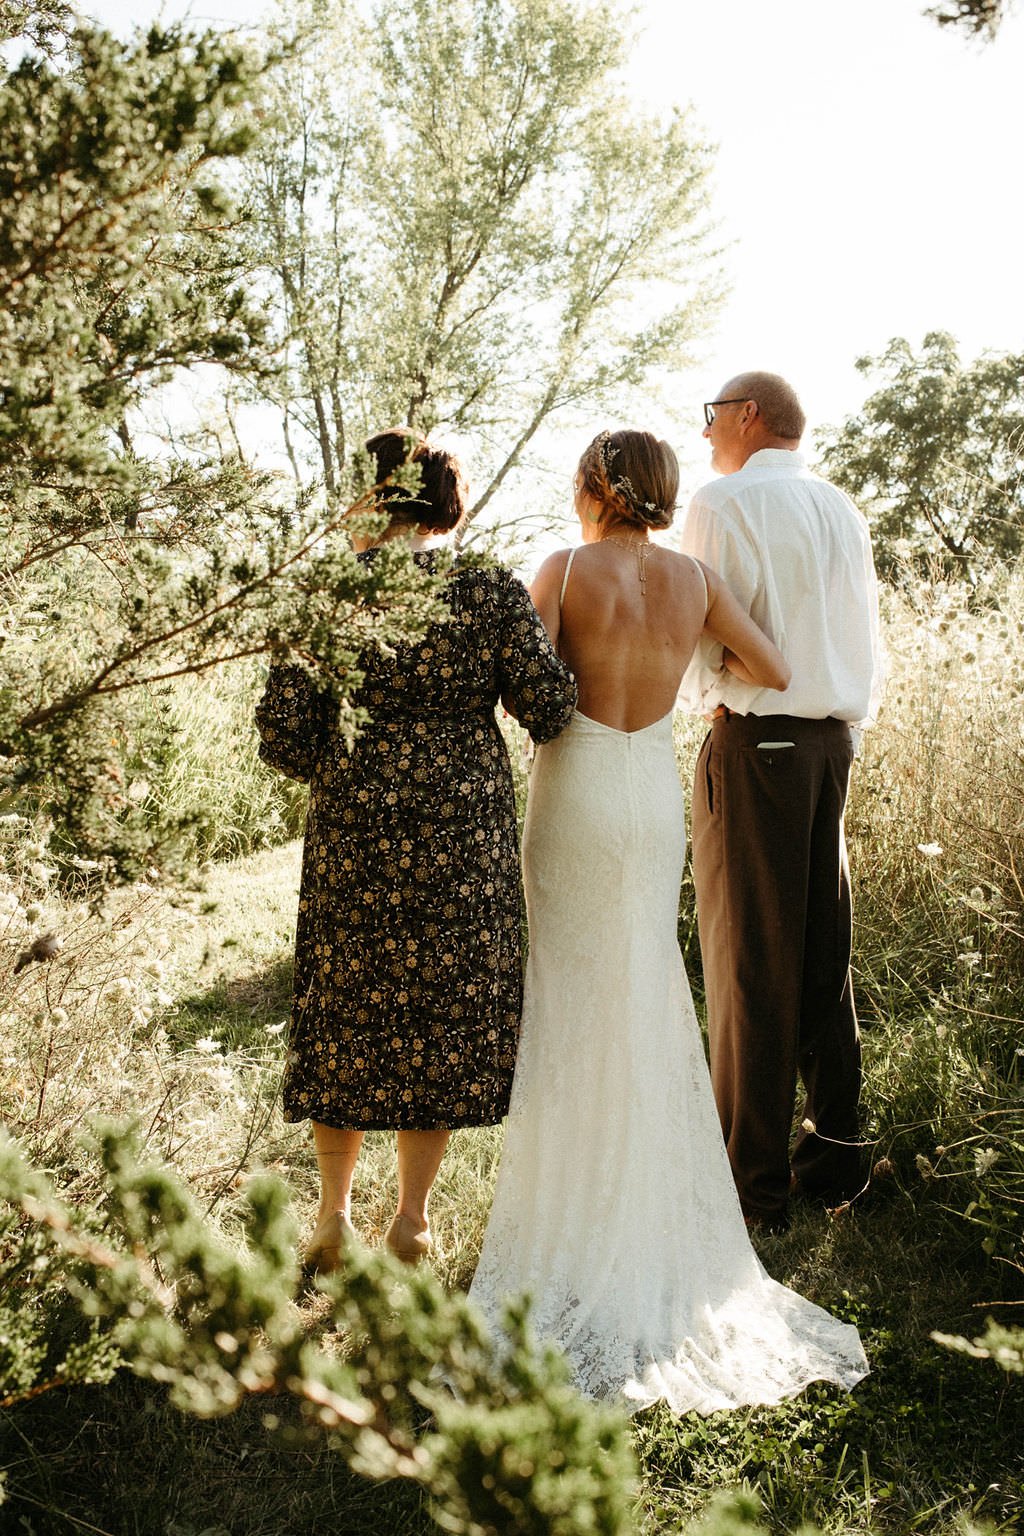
(615, 1207)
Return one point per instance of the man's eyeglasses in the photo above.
(709, 407)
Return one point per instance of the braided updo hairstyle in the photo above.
(440, 499)
(633, 477)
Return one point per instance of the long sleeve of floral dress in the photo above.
(536, 684)
(294, 719)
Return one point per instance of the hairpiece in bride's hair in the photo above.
(605, 453)
(597, 465)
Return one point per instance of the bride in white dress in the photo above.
(615, 1208)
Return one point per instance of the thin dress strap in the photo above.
(565, 578)
(703, 581)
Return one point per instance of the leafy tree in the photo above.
(934, 454)
(457, 215)
(122, 567)
(977, 18)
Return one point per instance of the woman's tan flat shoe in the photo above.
(406, 1241)
(323, 1256)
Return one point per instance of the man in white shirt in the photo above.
(769, 856)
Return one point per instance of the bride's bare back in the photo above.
(627, 646)
(625, 613)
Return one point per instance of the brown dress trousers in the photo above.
(775, 922)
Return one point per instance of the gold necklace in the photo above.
(643, 550)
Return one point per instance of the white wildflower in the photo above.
(984, 1159)
(223, 1077)
(940, 1031)
(969, 957)
(122, 987)
(808, 1125)
(141, 1016)
(208, 1045)
(41, 872)
(155, 968)
(162, 998)
(930, 850)
(275, 1029)
(59, 1016)
(138, 790)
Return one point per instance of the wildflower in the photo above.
(122, 987)
(58, 1016)
(34, 911)
(930, 850)
(969, 957)
(984, 1159)
(41, 872)
(154, 968)
(275, 1029)
(940, 1031)
(208, 1045)
(141, 1016)
(924, 1167)
(138, 790)
(162, 998)
(808, 1125)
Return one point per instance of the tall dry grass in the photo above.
(936, 831)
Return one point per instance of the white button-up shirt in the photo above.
(796, 553)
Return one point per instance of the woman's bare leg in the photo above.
(336, 1154)
(419, 1158)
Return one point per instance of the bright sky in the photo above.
(866, 178)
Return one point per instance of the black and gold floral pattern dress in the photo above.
(408, 978)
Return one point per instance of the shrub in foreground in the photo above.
(148, 1284)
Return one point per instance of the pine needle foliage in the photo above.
(494, 1434)
(122, 568)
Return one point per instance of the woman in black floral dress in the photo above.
(407, 957)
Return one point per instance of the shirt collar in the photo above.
(777, 458)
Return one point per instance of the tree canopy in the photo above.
(461, 220)
(934, 454)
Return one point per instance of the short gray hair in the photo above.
(777, 401)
